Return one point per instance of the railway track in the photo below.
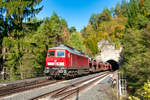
(69, 91)
(24, 86)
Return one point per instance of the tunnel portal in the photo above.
(114, 64)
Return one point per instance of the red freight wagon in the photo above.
(65, 61)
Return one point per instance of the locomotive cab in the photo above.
(55, 58)
(57, 62)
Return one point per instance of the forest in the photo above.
(24, 39)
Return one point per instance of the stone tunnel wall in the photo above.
(108, 52)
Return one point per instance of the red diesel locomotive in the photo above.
(67, 61)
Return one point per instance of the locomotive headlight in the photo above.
(50, 63)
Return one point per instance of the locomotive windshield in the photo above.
(51, 53)
(60, 54)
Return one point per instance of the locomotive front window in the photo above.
(51, 53)
(60, 54)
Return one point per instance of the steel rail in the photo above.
(64, 90)
(4, 91)
(68, 94)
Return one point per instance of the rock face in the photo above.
(108, 51)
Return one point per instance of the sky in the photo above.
(75, 12)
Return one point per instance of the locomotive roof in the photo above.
(70, 49)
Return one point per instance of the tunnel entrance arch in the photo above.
(114, 64)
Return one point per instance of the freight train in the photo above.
(65, 61)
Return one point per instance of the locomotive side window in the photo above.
(60, 54)
(51, 53)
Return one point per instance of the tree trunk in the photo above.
(21, 71)
(3, 60)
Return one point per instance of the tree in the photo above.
(39, 41)
(15, 29)
(76, 40)
(96, 19)
(72, 29)
(146, 90)
(105, 15)
(91, 45)
(93, 21)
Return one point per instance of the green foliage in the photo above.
(136, 50)
(138, 14)
(14, 47)
(120, 9)
(145, 8)
(90, 40)
(76, 41)
(105, 15)
(26, 46)
(111, 30)
(133, 98)
(136, 59)
(146, 90)
(17, 11)
(96, 19)
(91, 44)
(55, 28)
(72, 29)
